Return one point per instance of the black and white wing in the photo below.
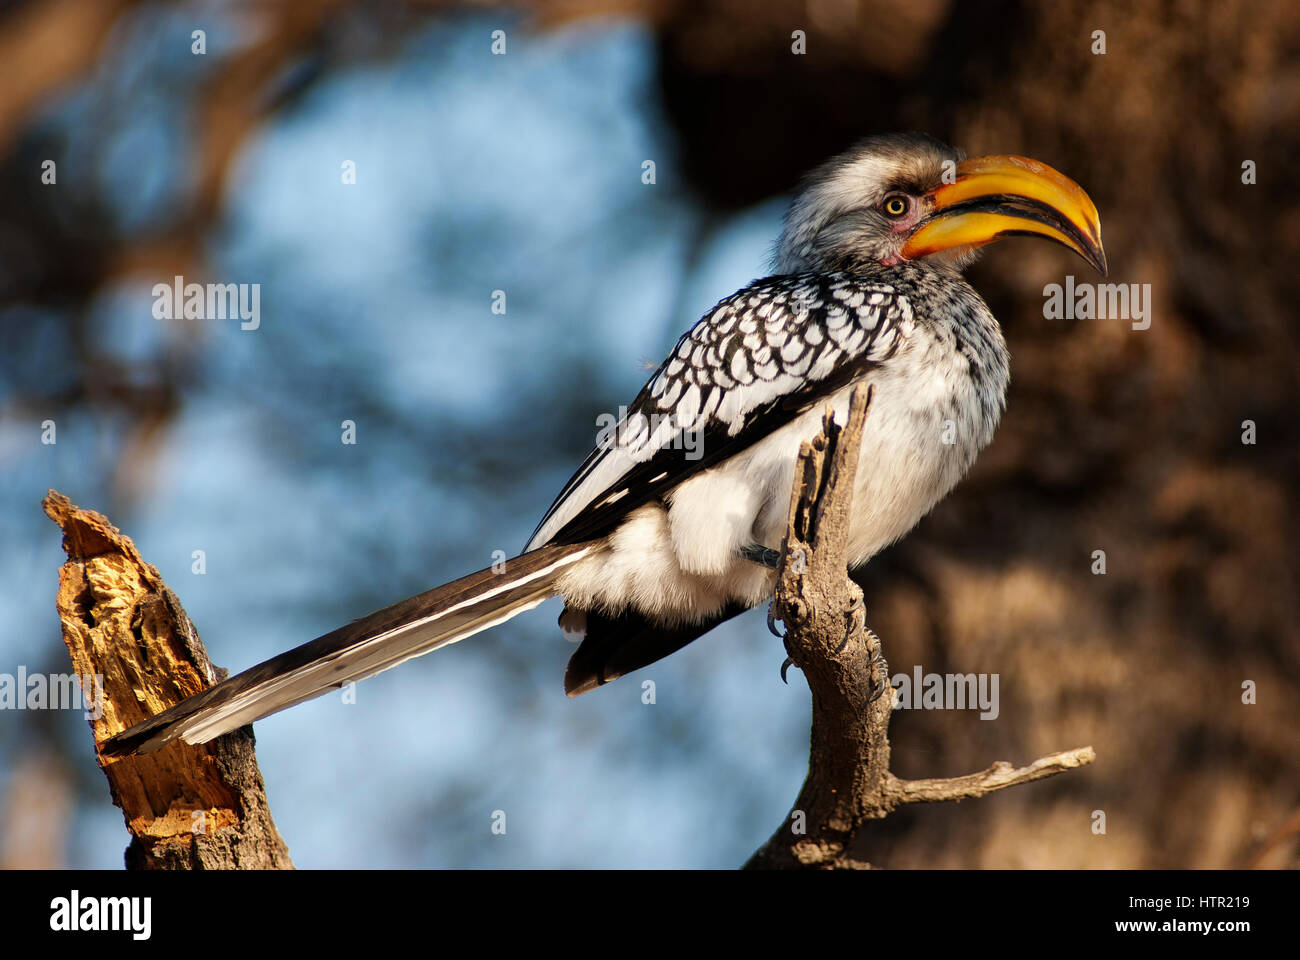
(755, 362)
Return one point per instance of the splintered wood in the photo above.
(186, 807)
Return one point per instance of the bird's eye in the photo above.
(895, 206)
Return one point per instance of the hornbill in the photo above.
(655, 540)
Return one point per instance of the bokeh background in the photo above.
(523, 173)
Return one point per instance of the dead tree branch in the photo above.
(186, 807)
(849, 782)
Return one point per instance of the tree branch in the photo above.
(137, 653)
(848, 782)
(997, 777)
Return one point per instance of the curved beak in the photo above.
(996, 197)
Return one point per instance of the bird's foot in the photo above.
(877, 689)
(772, 618)
(761, 555)
(878, 686)
(771, 559)
(851, 616)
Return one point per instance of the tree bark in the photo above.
(136, 651)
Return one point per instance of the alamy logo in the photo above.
(55, 691)
(1098, 301)
(75, 912)
(209, 301)
(947, 691)
(637, 430)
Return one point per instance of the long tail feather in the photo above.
(361, 649)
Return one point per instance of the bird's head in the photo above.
(901, 197)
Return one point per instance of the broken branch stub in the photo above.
(186, 807)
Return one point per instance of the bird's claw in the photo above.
(772, 618)
(878, 690)
(851, 614)
(771, 621)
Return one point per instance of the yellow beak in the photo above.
(995, 197)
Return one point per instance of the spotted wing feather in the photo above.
(756, 361)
